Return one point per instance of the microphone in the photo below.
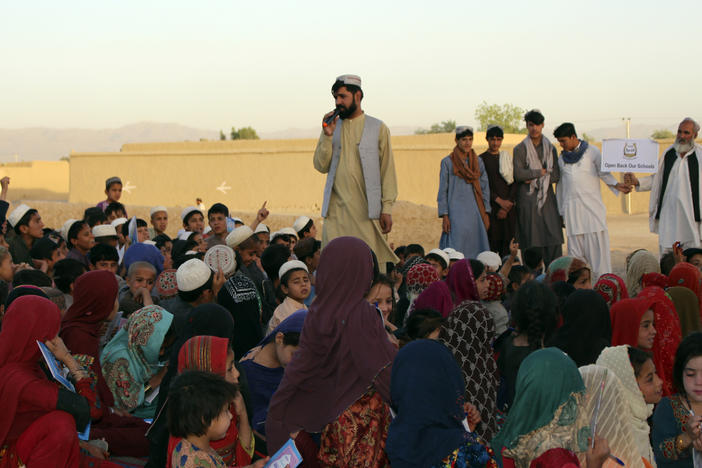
(328, 121)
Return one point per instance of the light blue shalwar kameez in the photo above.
(457, 199)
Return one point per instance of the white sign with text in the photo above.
(622, 155)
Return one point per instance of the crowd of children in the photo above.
(214, 348)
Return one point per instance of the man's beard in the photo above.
(682, 146)
(347, 112)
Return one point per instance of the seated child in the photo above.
(103, 257)
(440, 261)
(66, 272)
(159, 221)
(304, 227)
(141, 278)
(295, 284)
(47, 252)
(106, 234)
(94, 216)
(193, 220)
(115, 210)
(265, 364)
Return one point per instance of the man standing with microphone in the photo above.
(354, 151)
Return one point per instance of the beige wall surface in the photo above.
(37, 180)
(249, 172)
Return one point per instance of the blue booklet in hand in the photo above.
(287, 456)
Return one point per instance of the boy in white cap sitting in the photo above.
(304, 227)
(105, 234)
(193, 220)
(197, 284)
(28, 228)
(439, 260)
(491, 260)
(159, 221)
(295, 284)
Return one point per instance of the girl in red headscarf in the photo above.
(95, 304)
(649, 322)
(688, 276)
(39, 417)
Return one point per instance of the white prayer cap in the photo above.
(156, 209)
(441, 254)
(300, 223)
(149, 242)
(118, 221)
(184, 235)
(463, 129)
(221, 256)
(354, 80)
(490, 259)
(261, 228)
(239, 235)
(104, 230)
(17, 214)
(237, 220)
(192, 274)
(289, 231)
(454, 254)
(184, 214)
(291, 265)
(67, 226)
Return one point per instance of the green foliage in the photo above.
(662, 134)
(507, 116)
(588, 138)
(447, 126)
(65, 158)
(222, 135)
(244, 133)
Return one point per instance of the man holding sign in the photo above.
(580, 201)
(674, 206)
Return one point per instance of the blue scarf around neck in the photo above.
(572, 157)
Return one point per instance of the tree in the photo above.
(662, 134)
(222, 135)
(588, 138)
(244, 133)
(507, 116)
(447, 126)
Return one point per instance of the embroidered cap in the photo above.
(463, 129)
(104, 230)
(186, 212)
(292, 265)
(441, 254)
(192, 274)
(239, 235)
(454, 254)
(221, 256)
(354, 80)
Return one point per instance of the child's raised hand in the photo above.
(218, 281)
(145, 297)
(513, 248)
(240, 407)
(473, 415)
(262, 213)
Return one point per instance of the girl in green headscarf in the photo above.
(130, 360)
(544, 414)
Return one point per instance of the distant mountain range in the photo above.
(27, 144)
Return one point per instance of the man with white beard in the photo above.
(674, 206)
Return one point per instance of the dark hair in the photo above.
(190, 215)
(250, 243)
(273, 258)
(422, 322)
(667, 262)
(291, 339)
(44, 248)
(565, 130)
(101, 253)
(400, 251)
(94, 215)
(533, 256)
(65, 273)
(353, 89)
(438, 258)
(477, 266)
(114, 207)
(219, 208)
(690, 347)
(516, 275)
(281, 237)
(562, 290)
(24, 220)
(73, 231)
(195, 399)
(494, 132)
(414, 249)
(534, 117)
(161, 240)
(305, 229)
(575, 274)
(637, 358)
(124, 227)
(141, 223)
(31, 277)
(4, 292)
(534, 312)
(192, 296)
(286, 277)
(464, 133)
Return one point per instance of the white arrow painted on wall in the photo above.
(128, 187)
(224, 188)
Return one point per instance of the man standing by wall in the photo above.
(354, 151)
(535, 170)
(580, 200)
(674, 206)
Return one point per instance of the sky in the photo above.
(271, 64)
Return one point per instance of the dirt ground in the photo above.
(411, 224)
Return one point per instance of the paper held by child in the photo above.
(287, 456)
